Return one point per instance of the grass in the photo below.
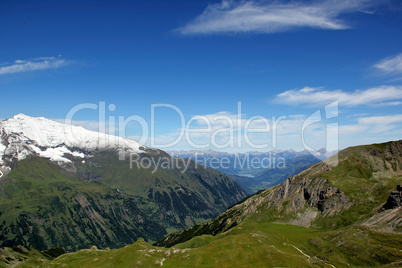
(365, 179)
(253, 244)
(197, 195)
(258, 241)
(22, 257)
(45, 207)
(246, 247)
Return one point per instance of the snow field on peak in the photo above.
(48, 133)
(56, 154)
(49, 139)
(2, 150)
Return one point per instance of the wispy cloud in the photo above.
(392, 65)
(371, 129)
(42, 63)
(373, 124)
(272, 16)
(384, 95)
(381, 120)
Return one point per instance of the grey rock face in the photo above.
(394, 199)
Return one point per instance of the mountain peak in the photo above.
(22, 135)
(20, 115)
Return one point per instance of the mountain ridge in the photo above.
(349, 225)
(22, 135)
(49, 176)
(317, 196)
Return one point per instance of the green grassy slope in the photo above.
(341, 201)
(43, 206)
(341, 191)
(252, 244)
(366, 174)
(106, 203)
(176, 196)
(19, 256)
(336, 198)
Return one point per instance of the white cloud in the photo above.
(383, 95)
(272, 16)
(372, 124)
(233, 132)
(392, 65)
(352, 129)
(381, 120)
(33, 65)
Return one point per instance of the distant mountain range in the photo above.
(238, 162)
(62, 185)
(274, 176)
(254, 171)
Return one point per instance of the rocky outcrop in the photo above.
(317, 193)
(305, 197)
(343, 190)
(394, 200)
(389, 216)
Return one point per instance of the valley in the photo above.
(67, 187)
(345, 210)
(208, 133)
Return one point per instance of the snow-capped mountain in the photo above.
(74, 190)
(22, 135)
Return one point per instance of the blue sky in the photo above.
(280, 59)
